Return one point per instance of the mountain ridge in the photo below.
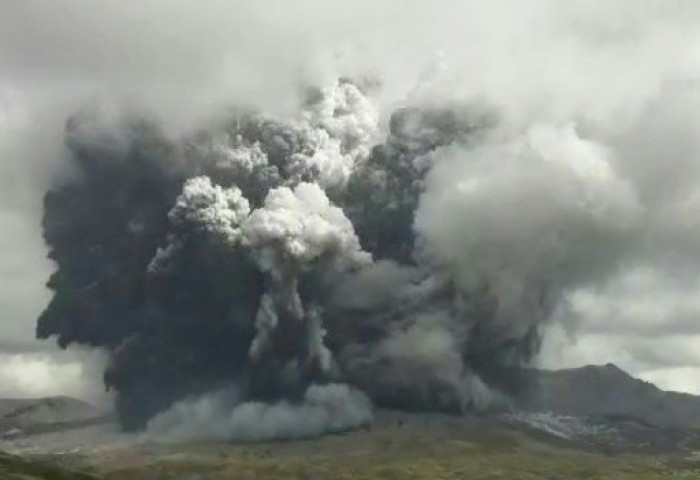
(603, 391)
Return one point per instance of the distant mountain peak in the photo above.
(606, 390)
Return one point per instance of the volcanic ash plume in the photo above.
(270, 277)
(296, 231)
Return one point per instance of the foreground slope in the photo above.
(16, 468)
(588, 423)
(397, 446)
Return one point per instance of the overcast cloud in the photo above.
(626, 72)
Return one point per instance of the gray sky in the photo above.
(626, 72)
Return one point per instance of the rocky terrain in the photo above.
(593, 422)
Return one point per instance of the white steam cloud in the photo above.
(539, 214)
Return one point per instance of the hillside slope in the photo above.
(35, 415)
(605, 391)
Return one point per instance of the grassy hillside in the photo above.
(453, 461)
(15, 468)
(398, 446)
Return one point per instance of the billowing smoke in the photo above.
(266, 276)
(221, 415)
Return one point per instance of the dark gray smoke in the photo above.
(299, 258)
